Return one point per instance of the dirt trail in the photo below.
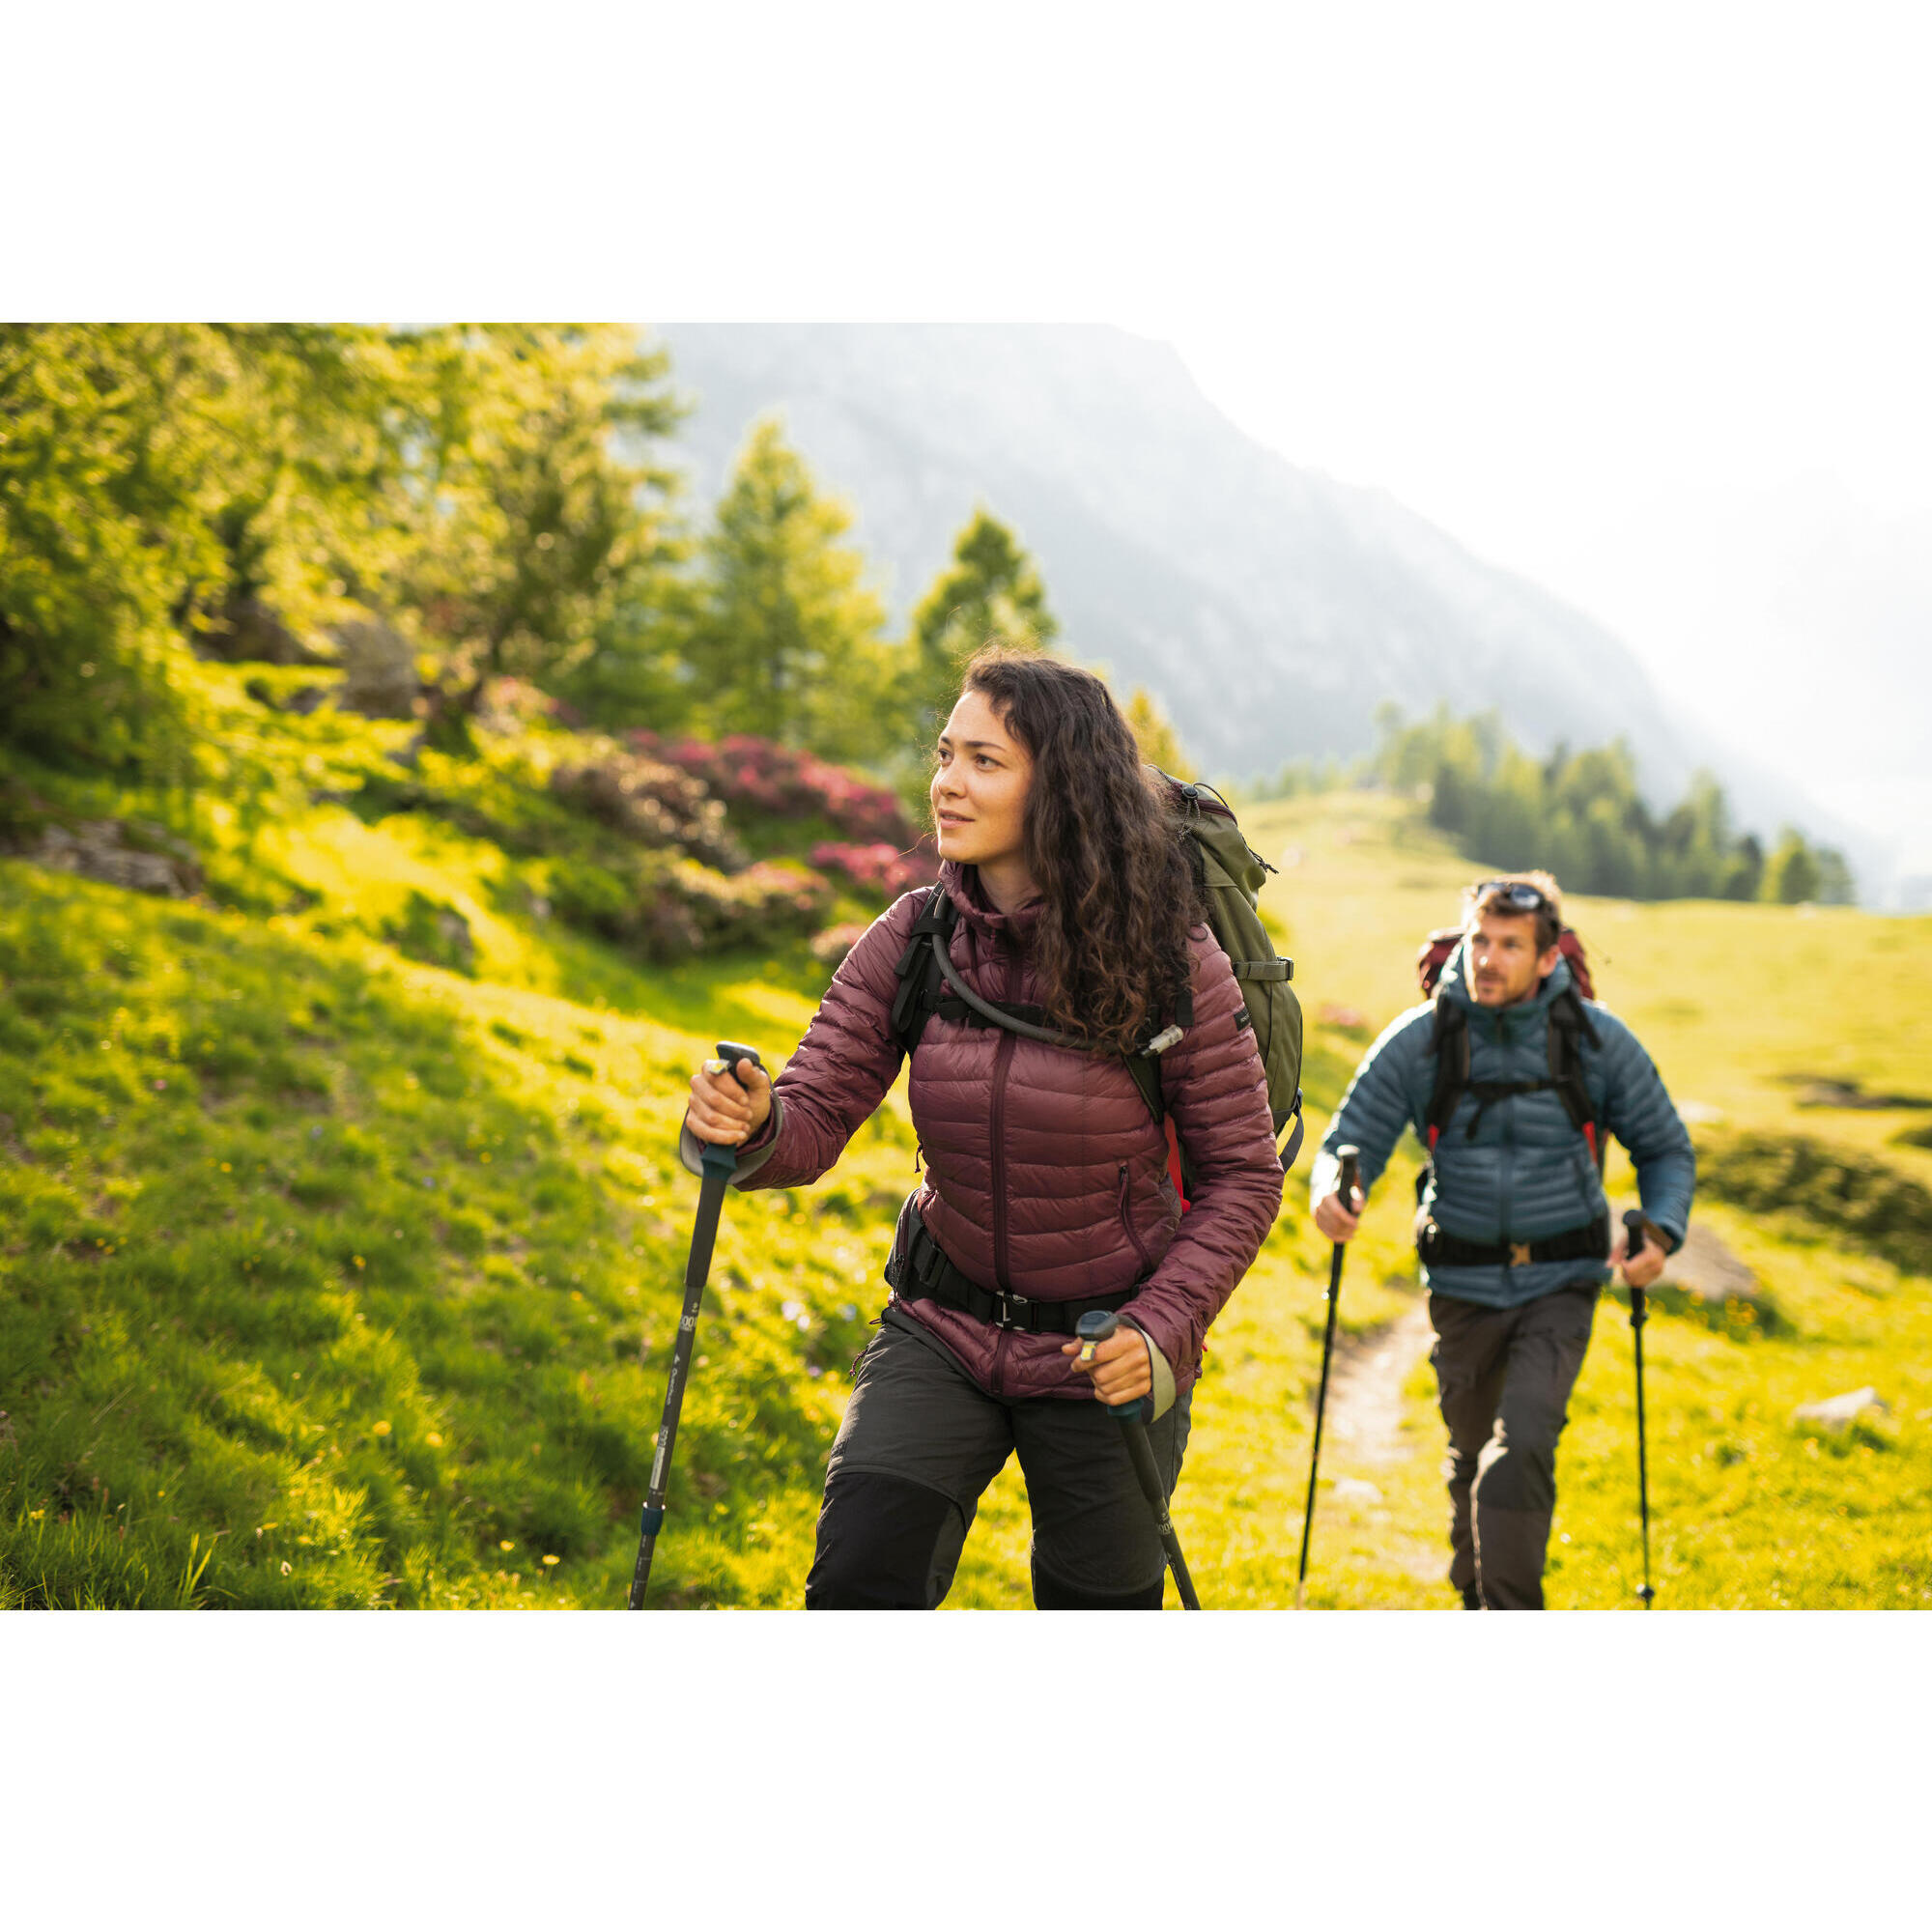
(1365, 1402)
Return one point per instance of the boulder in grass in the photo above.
(379, 668)
(98, 849)
(1840, 1411)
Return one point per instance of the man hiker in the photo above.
(1512, 1079)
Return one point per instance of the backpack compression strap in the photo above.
(1569, 1027)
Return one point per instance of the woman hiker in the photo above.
(1045, 1191)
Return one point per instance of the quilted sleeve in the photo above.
(1379, 1102)
(1639, 1112)
(1216, 1095)
(844, 1067)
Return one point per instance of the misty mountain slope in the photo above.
(1271, 608)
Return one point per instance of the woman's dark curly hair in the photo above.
(1111, 947)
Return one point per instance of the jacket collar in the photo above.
(963, 887)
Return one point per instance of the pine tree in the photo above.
(1791, 875)
(788, 641)
(990, 592)
(1156, 735)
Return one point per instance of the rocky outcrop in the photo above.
(1840, 1411)
(98, 849)
(379, 670)
(248, 631)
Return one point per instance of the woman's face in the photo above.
(980, 788)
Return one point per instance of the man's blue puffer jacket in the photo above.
(1527, 1172)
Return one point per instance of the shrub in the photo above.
(881, 870)
(772, 777)
(635, 908)
(830, 947)
(653, 803)
(665, 908)
(774, 898)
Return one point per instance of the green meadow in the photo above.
(334, 1273)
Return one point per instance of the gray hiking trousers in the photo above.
(922, 1440)
(1504, 1377)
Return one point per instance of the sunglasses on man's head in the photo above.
(1517, 894)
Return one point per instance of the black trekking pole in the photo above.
(1348, 1157)
(1639, 1314)
(1100, 1325)
(718, 1164)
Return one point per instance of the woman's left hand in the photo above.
(1120, 1368)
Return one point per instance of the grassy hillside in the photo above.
(332, 1275)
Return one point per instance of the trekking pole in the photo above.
(1348, 1157)
(1100, 1325)
(718, 1164)
(1639, 1314)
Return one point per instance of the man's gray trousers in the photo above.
(1504, 1377)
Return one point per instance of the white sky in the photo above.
(1632, 300)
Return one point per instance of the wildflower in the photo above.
(356, 1259)
(285, 1566)
(225, 1167)
(434, 1440)
(549, 1560)
(34, 1516)
(382, 1427)
(506, 1544)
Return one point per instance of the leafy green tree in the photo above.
(538, 543)
(990, 592)
(788, 639)
(108, 438)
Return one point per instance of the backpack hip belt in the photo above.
(1442, 1249)
(922, 1271)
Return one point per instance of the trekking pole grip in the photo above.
(716, 1158)
(1635, 1244)
(1098, 1325)
(1350, 1175)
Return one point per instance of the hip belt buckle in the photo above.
(1008, 1309)
(1519, 1253)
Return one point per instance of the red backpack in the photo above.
(1433, 955)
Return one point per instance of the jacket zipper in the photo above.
(1506, 1136)
(1127, 1222)
(1002, 1059)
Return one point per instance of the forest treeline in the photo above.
(1580, 815)
(437, 508)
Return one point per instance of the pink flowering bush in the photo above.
(830, 947)
(772, 777)
(879, 871)
(654, 803)
(769, 901)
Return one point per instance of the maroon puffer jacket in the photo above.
(1045, 1173)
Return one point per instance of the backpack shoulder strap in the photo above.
(1449, 1043)
(1569, 1028)
(920, 987)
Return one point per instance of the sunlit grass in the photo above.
(331, 1276)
